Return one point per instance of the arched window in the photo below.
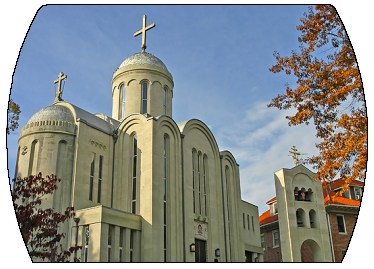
(199, 180)
(33, 163)
(123, 96)
(134, 173)
(205, 179)
(144, 98)
(193, 180)
(166, 169)
(164, 101)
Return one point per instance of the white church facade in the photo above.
(144, 188)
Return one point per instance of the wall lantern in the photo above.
(217, 252)
(192, 247)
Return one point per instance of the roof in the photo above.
(52, 113)
(336, 184)
(339, 200)
(272, 200)
(143, 58)
(267, 218)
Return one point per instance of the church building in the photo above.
(144, 188)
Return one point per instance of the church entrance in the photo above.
(200, 250)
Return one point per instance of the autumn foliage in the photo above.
(38, 226)
(329, 93)
(13, 116)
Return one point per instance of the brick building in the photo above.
(341, 214)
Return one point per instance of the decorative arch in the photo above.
(310, 251)
(34, 152)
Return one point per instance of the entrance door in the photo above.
(200, 250)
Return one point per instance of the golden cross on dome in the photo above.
(295, 154)
(61, 77)
(143, 32)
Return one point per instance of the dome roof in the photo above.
(53, 112)
(143, 58)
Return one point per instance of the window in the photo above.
(92, 172)
(166, 141)
(121, 241)
(262, 241)
(205, 168)
(244, 220)
(253, 226)
(275, 238)
(248, 222)
(134, 173)
(193, 180)
(165, 100)
(86, 230)
(341, 223)
(357, 193)
(101, 158)
(123, 96)
(274, 208)
(132, 239)
(110, 238)
(199, 180)
(144, 97)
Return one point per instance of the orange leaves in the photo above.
(13, 116)
(329, 91)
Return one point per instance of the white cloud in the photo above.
(261, 142)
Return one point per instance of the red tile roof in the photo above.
(266, 218)
(336, 184)
(332, 199)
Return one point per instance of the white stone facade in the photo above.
(145, 188)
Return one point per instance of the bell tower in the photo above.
(142, 84)
(302, 217)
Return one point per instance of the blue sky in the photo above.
(219, 57)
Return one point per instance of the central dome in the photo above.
(143, 58)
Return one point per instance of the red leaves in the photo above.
(330, 92)
(39, 226)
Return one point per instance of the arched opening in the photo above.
(300, 217)
(313, 219)
(310, 251)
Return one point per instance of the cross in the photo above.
(294, 156)
(61, 77)
(143, 32)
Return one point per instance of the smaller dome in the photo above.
(53, 112)
(143, 58)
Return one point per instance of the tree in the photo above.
(39, 227)
(13, 116)
(330, 93)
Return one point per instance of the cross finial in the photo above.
(61, 77)
(294, 155)
(143, 32)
